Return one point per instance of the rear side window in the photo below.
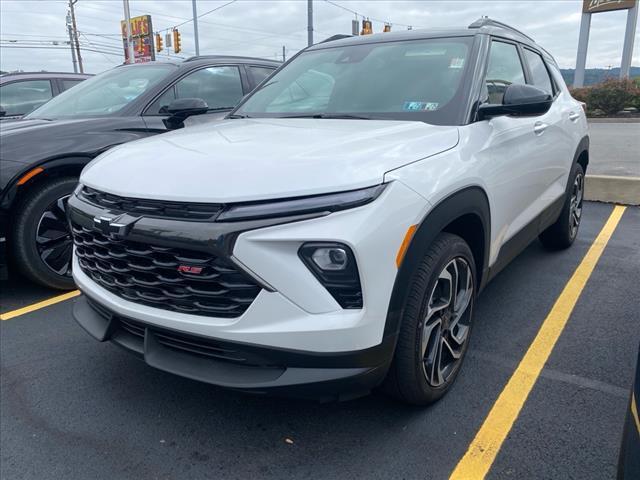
(503, 70)
(20, 98)
(539, 73)
(67, 83)
(259, 73)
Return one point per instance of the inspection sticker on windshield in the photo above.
(456, 63)
(417, 106)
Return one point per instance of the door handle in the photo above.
(539, 128)
(573, 116)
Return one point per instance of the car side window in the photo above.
(260, 73)
(220, 87)
(20, 98)
(504, 69)
(68, 83)
(539, 73)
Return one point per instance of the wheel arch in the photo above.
(581, 154)
(465, 213)
(54, 168)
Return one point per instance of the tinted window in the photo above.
(504, 69)
(220, 87)
(67, 84)
(409, 80)
(105, 93)
(20, 98)
(539, 72)
(260, 73)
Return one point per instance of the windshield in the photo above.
(105, 93)
(404, 80)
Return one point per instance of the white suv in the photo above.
(333, 233)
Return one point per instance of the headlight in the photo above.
(334, 265)
(328, 203)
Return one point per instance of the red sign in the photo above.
(142, 36)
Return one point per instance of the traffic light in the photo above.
(177, 46)
(158, 42)
(366, 27)
(387, 27)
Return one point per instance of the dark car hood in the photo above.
(32, 140)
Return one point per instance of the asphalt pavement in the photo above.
(614, 147)
(73, 408)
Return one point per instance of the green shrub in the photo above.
(613, 95)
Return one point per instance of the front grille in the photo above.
(149, 275)
(151, 208)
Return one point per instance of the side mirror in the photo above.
(518, 100)
(182, 108)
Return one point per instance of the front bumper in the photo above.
(300, 339)
(240, 366)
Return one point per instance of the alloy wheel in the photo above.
(53, 238)
(445, 329)
(575, 208)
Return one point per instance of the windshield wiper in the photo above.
(238, 115)
(347, 116)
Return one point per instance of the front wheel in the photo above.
(436, 323)
(564, 231)
(41, 243)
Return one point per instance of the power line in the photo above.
(366, 16)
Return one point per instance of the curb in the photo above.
(610, 189)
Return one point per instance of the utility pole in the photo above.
(127, 21)
(73, 50)
(195, 26)
(309, 22)
(75, 33)
(284, 58)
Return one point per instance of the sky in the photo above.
(33, 32)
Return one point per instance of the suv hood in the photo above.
(257, 159)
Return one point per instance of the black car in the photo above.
(41, 155)
(23, 92)
(629, 460)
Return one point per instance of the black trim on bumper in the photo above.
(241, 366)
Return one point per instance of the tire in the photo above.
(564, 231)
(40, 239)
(413, 377)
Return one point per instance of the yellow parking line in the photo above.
(487, 443)
(634, 411)
(39, 305)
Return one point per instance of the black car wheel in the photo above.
(41, 242)
(436, 323)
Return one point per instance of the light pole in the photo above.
(309, 22)
(195, 26)
(127, 21)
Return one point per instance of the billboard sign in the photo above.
(595, 6)
(142, 36)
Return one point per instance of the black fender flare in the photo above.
(57, 166)
(583, 147)
(468, 201)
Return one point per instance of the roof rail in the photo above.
(339, 36)
(488, 22)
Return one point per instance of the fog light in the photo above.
(335, 267)
(330, 258)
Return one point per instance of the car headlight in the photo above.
(334, 265)
(325, 203)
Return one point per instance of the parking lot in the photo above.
(76, 408)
